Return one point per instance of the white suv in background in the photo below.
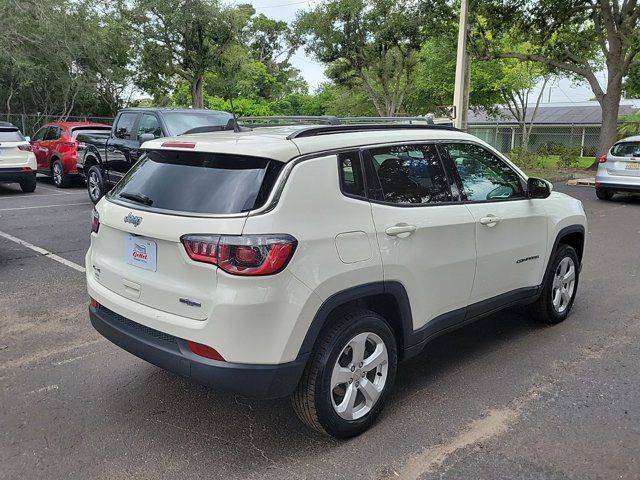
(17, 161)
(308, 261)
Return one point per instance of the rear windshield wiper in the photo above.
(137, 197)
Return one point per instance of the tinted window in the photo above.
(40, 134)
(149, 124)
(90, 131)
(200, 182)
(410, 174)
(125, 125)
(484, 176)
(180, 122)
(351, 178)
(53, 133)
(626, 149)
(11, 135)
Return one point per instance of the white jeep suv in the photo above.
(308, 261)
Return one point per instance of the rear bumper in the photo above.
(14, 174)
(171, 353)
(618, 187)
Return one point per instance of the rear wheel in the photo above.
(60, 177)
(95, 184)
(560, 287)
(349, 375)
(28, 183)
(604, 194)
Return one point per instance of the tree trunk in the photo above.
(197, 97)
(610, 104)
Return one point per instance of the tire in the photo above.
(95, 184)
(314, 398)
(549, 308)
(28, 184)
(604, 194)
(60, 178)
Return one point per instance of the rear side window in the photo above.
(125, 125)
(53, 133)
(149, 124)
(626, 149)
(201, 183)
(351, 179)
(11, 135)
(410, 174)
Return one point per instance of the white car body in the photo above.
(451, 265)
(619, 169)
(15, 162)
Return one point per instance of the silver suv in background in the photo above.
(619, 170)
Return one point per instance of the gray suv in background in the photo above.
(619, 170)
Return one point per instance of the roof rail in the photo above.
(330, 129)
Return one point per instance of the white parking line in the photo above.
(44, 252)
(10, 197)
(44, 206)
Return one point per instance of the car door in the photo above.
(49, 146)
(511, 229)
(119, 146)
(39, 148)
(425, 235)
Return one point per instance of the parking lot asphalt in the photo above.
(504, 398)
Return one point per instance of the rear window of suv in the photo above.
(11, 135)
(199, 183)
(626, 149)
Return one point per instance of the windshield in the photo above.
(180, 122)
(11, 135)
(197, 182)
(626, 149)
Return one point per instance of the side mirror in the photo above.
(538, 188)
(145, 137)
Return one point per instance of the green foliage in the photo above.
(525, 159)
(630, 125)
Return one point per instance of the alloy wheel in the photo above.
(564, 283)
(359, 376)
(57, 174)
(94, 185)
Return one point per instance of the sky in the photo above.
(560, 91)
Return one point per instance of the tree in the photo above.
(577, 37)
(372, 44)
(185, 39)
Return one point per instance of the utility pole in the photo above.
(461, 90)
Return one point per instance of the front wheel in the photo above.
(95, 184)
(560, 287)
(349, 375)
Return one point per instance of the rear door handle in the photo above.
(490, 221)
(401, 230)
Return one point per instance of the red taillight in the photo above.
(95, 221)
(603, 159)
(94, 303)
(204, 351)
(249, 255)
(25, 148)
(26, 169)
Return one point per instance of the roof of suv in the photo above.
(284, 143)
(7, 125)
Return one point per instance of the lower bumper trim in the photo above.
(172, 354)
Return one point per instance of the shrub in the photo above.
(569, 157)
(525, 159)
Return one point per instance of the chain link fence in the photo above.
(546, 139)
(30, 123)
